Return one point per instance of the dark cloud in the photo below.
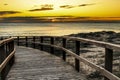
(8, 12)
(85, 5)
(43, 8)
(28, 19)
(73, 6)
(67, 6)
(38, 19)
(5, 4)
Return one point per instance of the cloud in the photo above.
(38, 19)
(28, 19)
(85, 5)
(8, 12)
(43, 8)
(73, 6)
(67, 6)
(5, 4)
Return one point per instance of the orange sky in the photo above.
(74, 8)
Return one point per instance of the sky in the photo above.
(82, 9)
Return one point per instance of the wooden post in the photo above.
(119, 63)
(7, 53)
(52, 42)
(33, 41)
(2, 57)
(1, 38)
(2, 53)
(8, 48)
(0, 76)
(41, 41)
(77, 62)
(108, 60)
(11, 48)
(64, 45)
(26, 40)
(5, 50)
(18, 40)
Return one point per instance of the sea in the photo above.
(54, 29)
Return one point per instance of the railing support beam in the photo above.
(2, 53)
(52, 42)
(26, 40)
(77, 62)
(5, 51)
(33, 41)
(18, 40)
(64, 45)
(41, 41)
(108, 60)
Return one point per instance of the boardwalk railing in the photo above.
(106, 71)
(7, 52)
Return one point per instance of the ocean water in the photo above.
(54, 29)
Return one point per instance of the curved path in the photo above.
(33, 64)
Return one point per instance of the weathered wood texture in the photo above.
(52, 48)
(32, 64)
(64, 53)
(103, 71)
(77, 62)
(7, 52)
(94, 42)
(108, 46)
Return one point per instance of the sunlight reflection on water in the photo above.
(54, 29)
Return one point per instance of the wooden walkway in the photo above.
(33, 64)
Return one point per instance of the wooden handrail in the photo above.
(2, 66)
(104, 72)
(6, 41)
(84, 40)
(94, 42)
(7, 52)
(108, 47)
(107, 71)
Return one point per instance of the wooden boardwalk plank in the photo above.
(32, 64)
